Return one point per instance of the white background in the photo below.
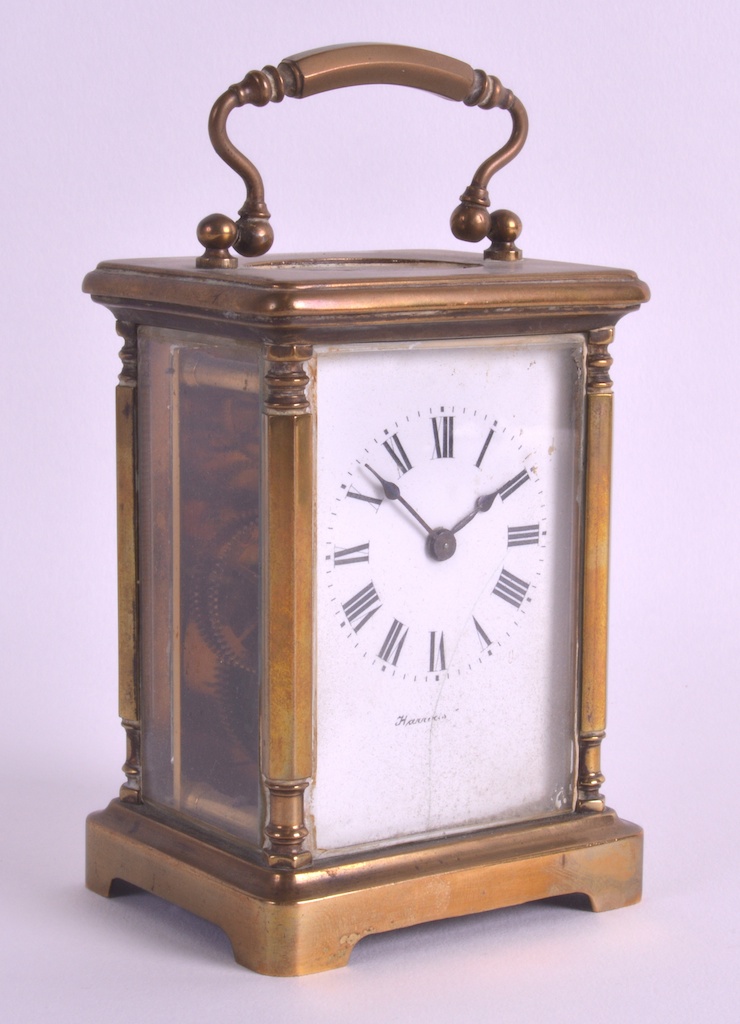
(632, 161)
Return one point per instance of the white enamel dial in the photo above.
(437, 542)
(446, 595)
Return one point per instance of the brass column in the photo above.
(287, 716)
(128, 575)
(599, 403)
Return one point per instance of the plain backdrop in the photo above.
(632, 161)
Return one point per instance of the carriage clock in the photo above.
(363, 529)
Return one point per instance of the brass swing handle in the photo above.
(337, 67)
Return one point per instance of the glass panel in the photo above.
(448, 528)
(199, 466)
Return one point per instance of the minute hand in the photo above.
(482, 504)
(393, 493)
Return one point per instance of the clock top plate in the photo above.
(322, 294)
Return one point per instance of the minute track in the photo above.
(444, 454)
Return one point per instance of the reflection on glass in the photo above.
(199, 474)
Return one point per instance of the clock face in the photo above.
(425, 583)
(446, 545)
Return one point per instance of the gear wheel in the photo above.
(225, 605)
(224, 612)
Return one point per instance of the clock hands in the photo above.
(441, 543)
(482, 504)
(393, 493)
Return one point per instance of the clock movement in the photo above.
(363, 551)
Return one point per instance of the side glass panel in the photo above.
(199, 553)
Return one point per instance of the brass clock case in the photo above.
(243, 333)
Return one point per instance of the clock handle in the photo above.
(336, 67)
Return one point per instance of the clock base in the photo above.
(289, 923)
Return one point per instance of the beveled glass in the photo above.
(446, 687)
(199, 541)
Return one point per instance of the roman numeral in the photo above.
(348, 556)
(484, 449)
(443, 427)
(511, 588)
(514, 484)
(375, 502)
(519, 535)
(485, 640)
(395, 449)
(437, 652)
(362, 607)
(393, 643)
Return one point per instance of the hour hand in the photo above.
(393, 493)
(482, 504)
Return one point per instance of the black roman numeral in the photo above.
(393, 643)
(484, 449)
(348, 556)
(437, 652)
(443, 427)
(375, 502)
(511, 588)
(519, 535)
(485, 640)
(514, 484)
(395, 449)
(362, 607)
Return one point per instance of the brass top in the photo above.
(319, 296)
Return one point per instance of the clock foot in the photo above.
(300, 922)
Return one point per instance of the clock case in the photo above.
(284, 913)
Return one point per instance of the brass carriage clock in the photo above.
(363, 538)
